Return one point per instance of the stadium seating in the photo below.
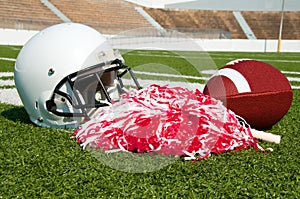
(265, 25)
(115, 16)
(25, 14)
(107, 16)
(203, 20)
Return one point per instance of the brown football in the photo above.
(252, 89)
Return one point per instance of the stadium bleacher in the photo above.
(107, 16)
(26, 14)
(265, 25)
(115, 16)
(203, 20)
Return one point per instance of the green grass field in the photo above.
(38, 162)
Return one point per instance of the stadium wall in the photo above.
(15, 37)
(20, 37)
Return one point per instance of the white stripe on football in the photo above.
(236, 77)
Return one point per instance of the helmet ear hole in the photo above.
(36, 105)
(51, 105)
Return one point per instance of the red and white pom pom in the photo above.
(172, 121)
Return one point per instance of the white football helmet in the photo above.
(67, 71)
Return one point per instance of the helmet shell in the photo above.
(47, 58)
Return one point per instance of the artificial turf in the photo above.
(40, 162)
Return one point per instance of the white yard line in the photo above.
(7, 59)
(171, 75)
(7, 82)
(294, 79)
(208, 72)
(295, 87)
(207, 56)
(10, 96)
(211, 72)
(145, 83)
(290, 72)
(6, 74)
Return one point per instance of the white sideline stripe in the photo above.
(281, 61)
(236, 77)
(6, 74)
(208, 72)
(7, 59)
(211, 72)
(145, 83)
(10, 96)
(179, 56)
(290, 72)
(7, 82)
(207, 57)
(171, 75)
(295, 87)
(294, 79)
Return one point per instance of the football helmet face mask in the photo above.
(66, 72)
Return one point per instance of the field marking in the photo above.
(211, 72)
(7, 59)
(202, 57)
(295, 87)
(148, 82)
(290, 72)
(207, 72)
(180, 56)
(7, 82)
(294, 79)
(6, 74)
(10, 95)
(171, 75)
